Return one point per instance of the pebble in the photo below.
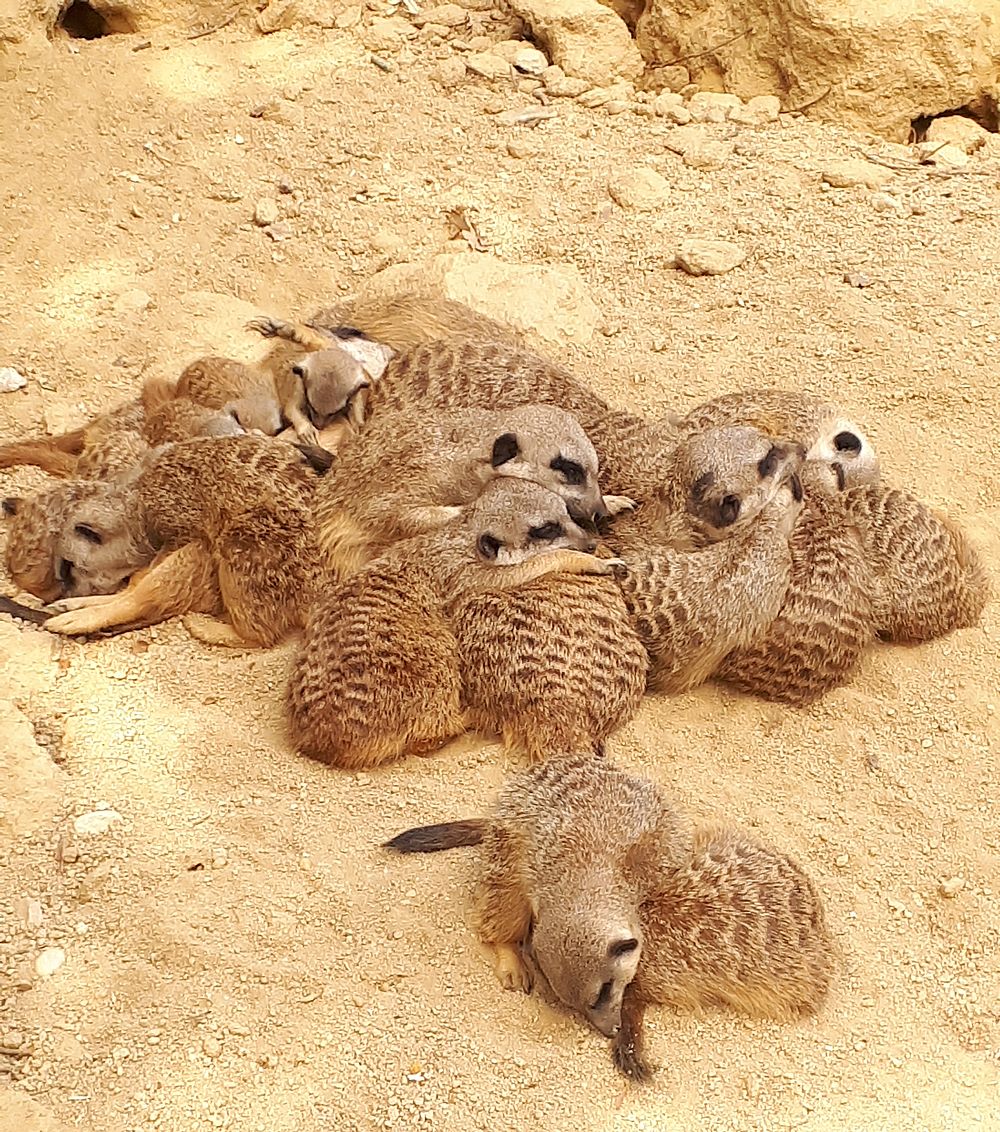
(842, 861)
(96, 821)
(947, 156)
(487, 66)
(853, 172)
(530, 61)
(708, 155)
(450, 73)
(857, 279)
(30, 912)
(265, 212)
(10, 380)
(951, 887)
(886, 202)
(279, 232)
(759, 111)
(521, 149)
(211, 1047)
(525, 116)
(671, 106)
(446, 15)
(220, 858)
(639, 190)
(957, 130)
(49, 960)
(709, 257)
(707, 106)
(285, 186)
(12, 1039)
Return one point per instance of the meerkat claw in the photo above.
(264, 325)
(617, 504)
(512, 971)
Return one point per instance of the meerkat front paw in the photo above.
(617, 504)
(511, 969)
(67, 604)
(613, 567)
(77, 622)
(307, 434)
(264, 325)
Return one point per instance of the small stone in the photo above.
(530, 61)
(673, 78)
(521, 149)
(525, 116)
(488, 66)
(566, 87)
(707, 106)
(959, 131)
(96, 821)
(29, 912)
(709, 155)
(842, 861)
(220, 858)
(450, 73)
(639, 190)
(857, 279)
(887, 203)
(279, 232)
(211, 1047)
(265, 212)
(12, 1039)
(709, 257)
(445, 15)
(285, 186)
(616, 106)
(49, 960)
(11, 380)
(951, 887)
(70, 854)
(759, 111)
(854, 172)
(947, 156)
(671, 106)
(594, 97)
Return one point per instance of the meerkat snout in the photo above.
(518, 519)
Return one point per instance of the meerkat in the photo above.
(378, 677)
(927, 578)
(244, 501)
(827, 433)
(709, 559)
(416, 471)
(826, 620)
(591, 878)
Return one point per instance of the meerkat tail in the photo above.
(433, 838)
(23, 612)
(56, 458)
(319, 459)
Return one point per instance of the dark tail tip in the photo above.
(23, 612)
(317, 458)
(433, 838)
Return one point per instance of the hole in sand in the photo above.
(985, 112)
(79, 20)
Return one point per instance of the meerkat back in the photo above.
(826, 620)
(552, 665)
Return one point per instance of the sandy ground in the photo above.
(239, 952)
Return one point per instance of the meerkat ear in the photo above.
(620, 947)
(89, 533)
(488, 546)
(504, 448)
(11, 504)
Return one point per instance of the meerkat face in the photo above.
(724, 477)
(224, 423)
(254, 412)
(516, 520)
(545, 444)
(847, 451)
(588, 961)
(330, 379)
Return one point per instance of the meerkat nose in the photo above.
(590, 545)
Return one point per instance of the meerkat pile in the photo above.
(465, 537)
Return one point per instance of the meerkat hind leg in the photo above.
(505, 915)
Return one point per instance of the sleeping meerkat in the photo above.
(709, 560)
(413, 472)
(656, 913)
(242, 503)
(378, 677)
(828, 435)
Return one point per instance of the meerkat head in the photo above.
(72, 541)
(256, 411)
(546, 444)
(226, 422)
(589, 952)
(844, 448)
(515, 519)
(331, 380)
(722, 478)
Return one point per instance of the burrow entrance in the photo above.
(80, 20)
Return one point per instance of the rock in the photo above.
(957, 130)
(32, 783)
(94, 883)
(525, 115)
(709, 257)
(550, 303)
(530, 61)
(759, 111)
(279, 232)
(857, 279)
(280, 15)
(132, 301)
(10, 380)
(521, 150)
(673, 77)
(887, 203)
(639, 190)
(567, 87)
(951, 887)
(29, 912)
(487, 65)
(588, 40)
(708, 155)
(706, 106)
(211, 1047)
(446, 15)
(96, 822)
(265, 212)
(48, 961)
(449, 73)
(852, 172)
(947, 156)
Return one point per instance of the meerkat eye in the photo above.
(847, 442)
(603, 996)
(488, 546)
(729, 510)
(768, 465)
(701, 485)
(299, 371)
(89, 534)
(546, 532)
(571, 471)
(10, 505)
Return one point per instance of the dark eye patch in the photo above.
(546, 532)
(769, 464)
(504, 448)
(488, 546)
(701, 485)
(622, 947)
(10, 505)
(847, 442)
(299, 371)
(89, 534)
(729, 510)
(602, 997)
(570, 470)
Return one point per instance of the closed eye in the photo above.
(571, 471)
(546, 533)
(602, 997)
(767, 466)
